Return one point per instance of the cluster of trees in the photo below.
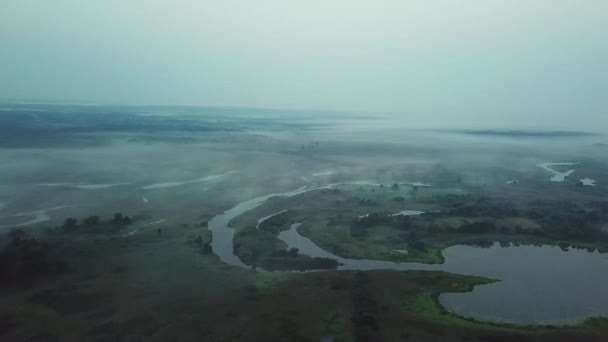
(360, 227)
(479, 227)
(367, 201)
(560, 219)
(482, 206)
(24, 259)
(570, 220)
(414, 244)
(481, 243)
(95, 224)
(204, 245)
(335, 220)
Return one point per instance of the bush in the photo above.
(95, 224)
(477, 228)
(24, 259)
(70, 224)
(91, 221)
(119, 218)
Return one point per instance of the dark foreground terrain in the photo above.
(167, 288)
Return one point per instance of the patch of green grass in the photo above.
(335, 324)
(268, 280)
(431, 255)
(339, 242)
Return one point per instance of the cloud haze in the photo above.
(437, 62)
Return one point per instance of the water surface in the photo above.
(557, 175)
(538, 285)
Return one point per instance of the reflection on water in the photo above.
(408, 213)
(173, 184)
(588, 182)
(260, 221)
(99, 186)
(557, 175)
(538, 284)
(85, 186)
(37, 216)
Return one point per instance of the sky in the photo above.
(441, 62)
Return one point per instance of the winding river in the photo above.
(37, 216)
(538, 285)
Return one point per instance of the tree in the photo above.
(294, 252)
(91, 221)
(207, 249)
(118, 218)
(414, 190)
(16, 234)
(70, 224)
(254, 259)
(395, 187)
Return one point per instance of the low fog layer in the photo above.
(108, 159)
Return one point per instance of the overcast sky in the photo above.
(496, 61)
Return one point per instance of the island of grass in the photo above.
(414, 224)
(258, 246)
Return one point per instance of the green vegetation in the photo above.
(94, 224)
(202, 242)
(277, 223)
(261, 248)
(26, 259)
(351, 226)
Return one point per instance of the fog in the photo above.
(446, 64)
(303, 170)
(111, 158)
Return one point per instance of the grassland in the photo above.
(151, 288)
(359, 222)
